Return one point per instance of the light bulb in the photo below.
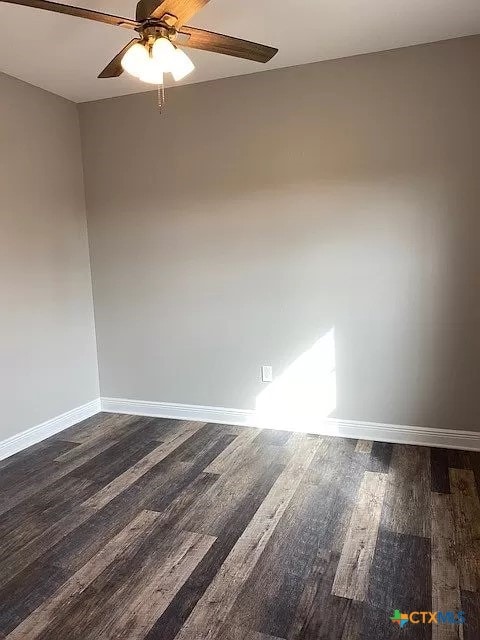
(152, 72)
(163, 53)
(135, 59)
(182, 65)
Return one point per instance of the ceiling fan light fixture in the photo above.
(163, 52)
(135, 60)
(181, 65)
(158, 24)
(152, 72)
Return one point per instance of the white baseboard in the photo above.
(25, 439)
(197, 412)
(401, 434)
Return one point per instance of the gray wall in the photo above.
(260, 212)
(47, 338)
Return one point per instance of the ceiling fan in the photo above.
(161, 29)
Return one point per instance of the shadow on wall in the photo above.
(305, 394)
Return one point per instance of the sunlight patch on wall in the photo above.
(305, 394)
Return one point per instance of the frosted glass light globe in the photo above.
(152, 72)
(134, 59)
(163, 52)
(182, 65)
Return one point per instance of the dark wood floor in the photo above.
(129, 528)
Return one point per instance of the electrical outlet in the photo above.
(267, 373)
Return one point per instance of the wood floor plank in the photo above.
(273, 436)
(28, 520)
(79, 518)
(351, 579)
(241, 633)
(364, 446)
(475, 466)
(116, 459)
(186, 500)
(466, 510)
(73, 458)
(86, 429)
(320, 614)
(155, 490)
(25, 461)
(112, 430)
(140, 468)
(53, 606)
(109, 428)
(215, 508)
(459, 459)
(169, 624)
(439, 470)
(407, 498)
(314, 524)
(213, 608)
(108, 593)
(380, 457)
(12, 564)
(181, 475)
(130, 527)
(150, 593)
(234, 452)
(203, 437)
(26, 591)
(337, 472)
(445, 578)
(471, 609)
(30, 474)
(400, 578)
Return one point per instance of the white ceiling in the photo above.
(64, 54)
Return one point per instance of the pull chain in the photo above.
(160, 97)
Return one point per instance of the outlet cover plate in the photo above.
(267, 373)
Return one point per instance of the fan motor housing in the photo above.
(153, 29)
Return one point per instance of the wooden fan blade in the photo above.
(218, 43)
(175, 12)
(114, 67)
(78, 12)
